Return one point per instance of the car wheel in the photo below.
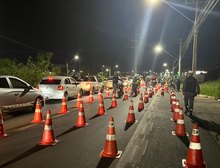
(81, 92)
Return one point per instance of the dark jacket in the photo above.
(191, 85)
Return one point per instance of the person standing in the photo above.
(115, 82)
(190, 90)
(177, 84)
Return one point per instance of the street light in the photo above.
(158, 49)
(165, 64)
(76, 58)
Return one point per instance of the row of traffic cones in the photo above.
(194, 157)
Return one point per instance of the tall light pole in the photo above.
(195, 41)
(180, 59)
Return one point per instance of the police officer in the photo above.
(115, 82)
(190, 90)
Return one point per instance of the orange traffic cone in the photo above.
(37, 114)
(81, 120)
(141, 103)
(138, 90)
(91, 99)
(176, 111)
(146, 99)
(101, 110)
(150, 94)
(48, 134)
(172, 107)
(110, 148)
(172, 95)
(162, 92)
(125, 95)
(100, 94)
(180, 129)
(2, 130)
(131, 115)
(114, 102)
(107, 93)
(194, 157)
(63, 109)
(78, 101)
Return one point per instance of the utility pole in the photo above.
(195, 41)
(180, 59)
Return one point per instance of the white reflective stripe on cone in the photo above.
(177, 110)
(37, 111)
(48, 116)
(80, 113)
(131, 111)
(195, 146)
(180, 121)
(63, 103)
(48, 127)
(195, 132)
(110, 137)
(111, 124)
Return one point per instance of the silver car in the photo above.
(55, 87)
(16, 94)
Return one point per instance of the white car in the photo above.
(16, 94)
(55, 87)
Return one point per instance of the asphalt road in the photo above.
(147, 143)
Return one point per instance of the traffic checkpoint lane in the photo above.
(31, 138)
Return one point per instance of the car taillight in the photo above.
(59, 87)
(37, 87)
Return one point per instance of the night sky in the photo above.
(105, 32)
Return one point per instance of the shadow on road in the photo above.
(128, 125)
(105, 162)
(24, 155)
(208, 125)
(95, 116)
(74, 128)
(185, 140)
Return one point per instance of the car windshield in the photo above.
(50, 82)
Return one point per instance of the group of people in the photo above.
(190, 88)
